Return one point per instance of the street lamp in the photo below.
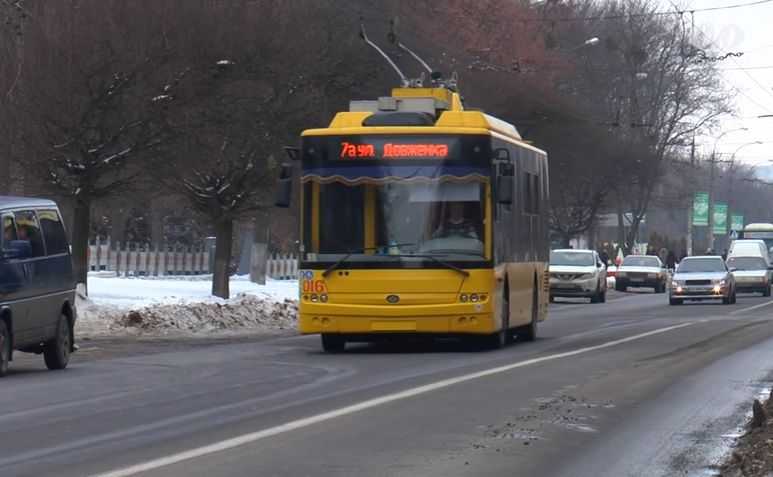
(714, 151)
(710, 231)
(730, 192)
(732, 158)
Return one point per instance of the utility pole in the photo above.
(714, 161)
(710, 231)
(710, 234)
(690, 203)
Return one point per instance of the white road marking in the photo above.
(742, 310)
(371, 403)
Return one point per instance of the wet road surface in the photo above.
(629, 387)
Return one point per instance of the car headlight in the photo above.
(721, 283)
(586, 276)
(675, 284)
(652, 275)
(621, 274)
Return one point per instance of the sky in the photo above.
(750, 77)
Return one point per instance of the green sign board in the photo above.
(736, 222)
(720, 218)
(700, 209)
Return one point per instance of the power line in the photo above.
(741, 68)
(643, 15)
(712, 43)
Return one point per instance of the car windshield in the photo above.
(571, 259)
(641, 262)
(701, 265)
(746, 263)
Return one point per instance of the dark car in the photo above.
(37, 286)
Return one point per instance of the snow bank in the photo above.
(164, 305)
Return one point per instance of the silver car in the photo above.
(702, 278)
(751, 274)
(577, 273)
(641, 271)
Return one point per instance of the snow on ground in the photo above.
(134, 292)
(174, 305)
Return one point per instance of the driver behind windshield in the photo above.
(456, 224)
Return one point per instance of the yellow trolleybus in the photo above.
(418, 217)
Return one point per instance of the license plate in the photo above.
(698, 289)
(637, 280)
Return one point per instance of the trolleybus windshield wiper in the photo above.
(350, 252)
(434, 259)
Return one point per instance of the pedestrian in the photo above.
(671, 260)
(604, 256)
(724, 254)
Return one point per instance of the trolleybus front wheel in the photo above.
(333, 343)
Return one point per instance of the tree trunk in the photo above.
(260, 249)
(223, 243)
(566, 238)
(81, 226)
(621, 226)
(258, 263)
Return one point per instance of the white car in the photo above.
(577, 273)
(749, 248)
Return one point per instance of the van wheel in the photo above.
(5, 349)
(56, 353)
(332, 343)
(766, 292)
(529, 332)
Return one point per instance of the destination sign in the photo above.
(372, 149)
(390, 150)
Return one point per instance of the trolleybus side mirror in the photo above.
(293, 153)
(505, 183)
(284, 190)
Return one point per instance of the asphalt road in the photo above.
(629, 387)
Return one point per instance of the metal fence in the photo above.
(131, 259)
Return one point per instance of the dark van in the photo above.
(37, 286)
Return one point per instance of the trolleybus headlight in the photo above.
(473, 297)
(483, 297)
(314, 298)
(323, 298)
(463, 298)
